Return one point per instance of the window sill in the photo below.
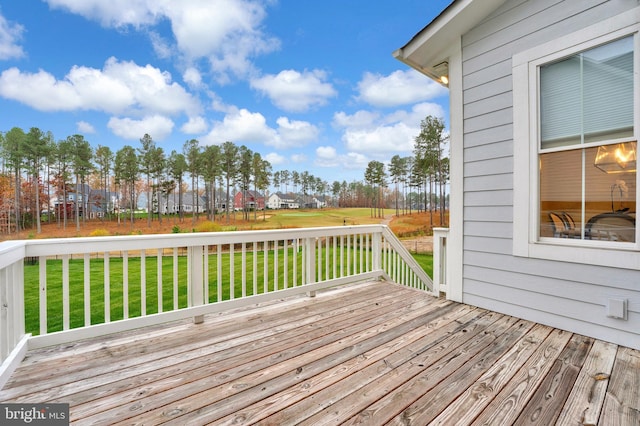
(611, 254)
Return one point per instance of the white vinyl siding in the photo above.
(499, 272)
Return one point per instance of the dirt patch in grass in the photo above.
(415, 224)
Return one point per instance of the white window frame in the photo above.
(526, 227)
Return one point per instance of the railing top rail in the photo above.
(59, 246)
(11, 252)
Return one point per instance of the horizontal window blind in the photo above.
(588, 97)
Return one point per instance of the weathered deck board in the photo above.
(477, 396)
(373, 353)
(505, 408)
(622, 403)
(587, 396)
(546, 404)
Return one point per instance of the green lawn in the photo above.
(325, 217)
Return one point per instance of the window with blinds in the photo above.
(587, 154)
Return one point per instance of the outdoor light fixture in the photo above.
(442, 72)
(618, 158)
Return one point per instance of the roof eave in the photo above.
(433, 45)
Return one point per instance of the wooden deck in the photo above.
(369, 354)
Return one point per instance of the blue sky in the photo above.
(310, 85)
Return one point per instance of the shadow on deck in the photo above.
(372, 353)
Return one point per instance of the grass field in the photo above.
(269, 219)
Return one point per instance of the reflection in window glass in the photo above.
(581, 201)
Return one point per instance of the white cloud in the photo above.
(10, 35)
(326, 152)
(293, 91)
(157, 126)
(119, 88)
(398, 137)
(226, 32)
(398, 88)
(113, 13)
(327, 156)
(355, 161)
(361, 119)
(192, 77)
(241, 126)
(84, 127)
(195, 125)
(299, 158)
(375, 134)
(162, 47)
(295, 133)
(275, 159)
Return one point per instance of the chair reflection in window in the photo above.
(612, 226)
(563, 225)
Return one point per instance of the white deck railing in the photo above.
(440, 272)
(87, 287)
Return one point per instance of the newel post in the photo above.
(195, 262)
(440, 271)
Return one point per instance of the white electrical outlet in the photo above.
(617, 308)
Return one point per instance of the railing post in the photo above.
(310, 263)
(440, 271)
(13, 340)
(196, 276)
(376, 251)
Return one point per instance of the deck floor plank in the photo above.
(589, 391)
(229, 371)
(283, 375)
(357, 397)
(505, 408)
(622, 402)
(477, 396)
(422, 411)
(309, 396)
(370, 353)
(545, 406)
(401, 395)
(135, 357)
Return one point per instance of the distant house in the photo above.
(190, 203)
(102, 202)
(252, 200)
(79, 195)
(279, 200)
(312, 201)
(320, 201)
(544, 125)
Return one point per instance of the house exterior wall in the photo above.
(251, 199)
(566, 295)
(278, 200)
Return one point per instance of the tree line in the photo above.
(35, 168)
(419, 181)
